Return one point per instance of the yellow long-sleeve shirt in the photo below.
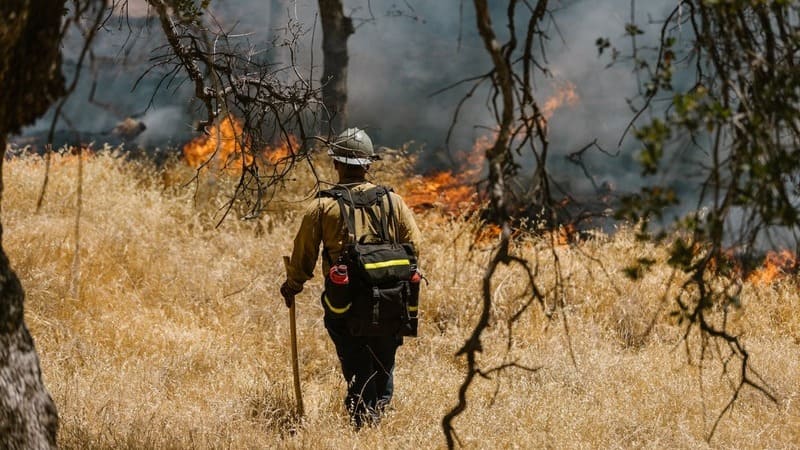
(323, 223)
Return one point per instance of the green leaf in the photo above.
(631, 29)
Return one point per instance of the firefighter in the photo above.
(367, 362)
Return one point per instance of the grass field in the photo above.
(167, 332)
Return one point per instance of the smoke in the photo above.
(406, 51)
(166, 126)
(400, 54)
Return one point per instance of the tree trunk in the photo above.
(336, 28)
(30, 80)
(28, 416)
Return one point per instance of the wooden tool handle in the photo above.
(298, 394)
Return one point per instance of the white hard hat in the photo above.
(353, 147)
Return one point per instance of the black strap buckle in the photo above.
(376, 308)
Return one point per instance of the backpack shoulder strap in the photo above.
(349, 200)
(383, 222)
(387, 219)
(338, 193)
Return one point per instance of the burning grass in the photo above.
(226, 148)
(177, 337)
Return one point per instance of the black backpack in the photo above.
(377, 291)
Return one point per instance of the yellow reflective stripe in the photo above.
(390, 263)
(334, 309)
(413, 308)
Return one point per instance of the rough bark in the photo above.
(30, 80)
(336, 28)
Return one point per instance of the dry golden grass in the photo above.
(177, 337)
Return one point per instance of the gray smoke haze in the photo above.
(408, 51)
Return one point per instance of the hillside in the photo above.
(167, 332)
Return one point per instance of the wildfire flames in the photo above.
(226, 148)
(565, 234)
(776, 265)
(565, 95)
(454, 191)
(443, 188)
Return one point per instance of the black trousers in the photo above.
(368, 368)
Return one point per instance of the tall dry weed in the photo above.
(177, 337)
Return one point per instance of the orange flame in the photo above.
(565, 234)
(227, 144)
(280, 153)
(566, 94)
(776, 266)
(224, 143)
(442, 188)
(454, 192)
